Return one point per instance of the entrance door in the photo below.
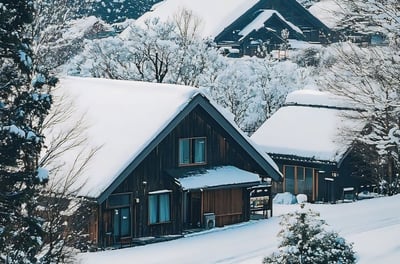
(329, 190)
(121, 223)
(195, 209)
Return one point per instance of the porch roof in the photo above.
(214, 177)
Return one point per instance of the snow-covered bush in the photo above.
(304, 240)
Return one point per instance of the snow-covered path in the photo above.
(373, 226)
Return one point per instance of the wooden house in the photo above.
(260, 27)
(307, 139)
(170, 159)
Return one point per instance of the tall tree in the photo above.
(62, 210)
(369, 78)
(373, 17)
(51, 45)
(24, 104)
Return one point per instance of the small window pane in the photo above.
(300, 180)
(153, 209)
(118, 200)
(289, 179)
(184, 151)
(309, 181)
(199, 150)
(164, 208)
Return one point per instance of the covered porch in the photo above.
(217, 196)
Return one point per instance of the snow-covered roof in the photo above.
(219, 176)
(330, 12)
(310, 126)
(316, 98)
(214, 15)
(258, 22)
(122, 117)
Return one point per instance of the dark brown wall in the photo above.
(228, 205)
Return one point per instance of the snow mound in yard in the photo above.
(285, 198)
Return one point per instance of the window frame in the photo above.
(192, 151)
(296, 179)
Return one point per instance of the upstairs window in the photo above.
(192, 151)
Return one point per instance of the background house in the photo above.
(261, 26)
(310, 138)
(244, 27)
(169, 158)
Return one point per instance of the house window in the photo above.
(118, 200)
(192, 151)
(159, 207)
(298, 179)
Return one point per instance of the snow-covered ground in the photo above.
(372, 225)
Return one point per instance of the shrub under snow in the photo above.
(304, 240)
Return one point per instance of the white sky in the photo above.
(372, 225)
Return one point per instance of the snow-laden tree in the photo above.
(52, 19)
(380, 17)
(24, 103)
(136, 54)
(64, 213)
(369, 77)
(275, 79)
(254, 88)
(234, 90)
(305, 240)
(169, 52)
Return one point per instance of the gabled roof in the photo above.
(309, 126)
(263, 20)
(129, 119)
(290, 10)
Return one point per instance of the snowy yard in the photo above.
(372, 225)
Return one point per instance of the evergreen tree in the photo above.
(24, 104)
(305, 241)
